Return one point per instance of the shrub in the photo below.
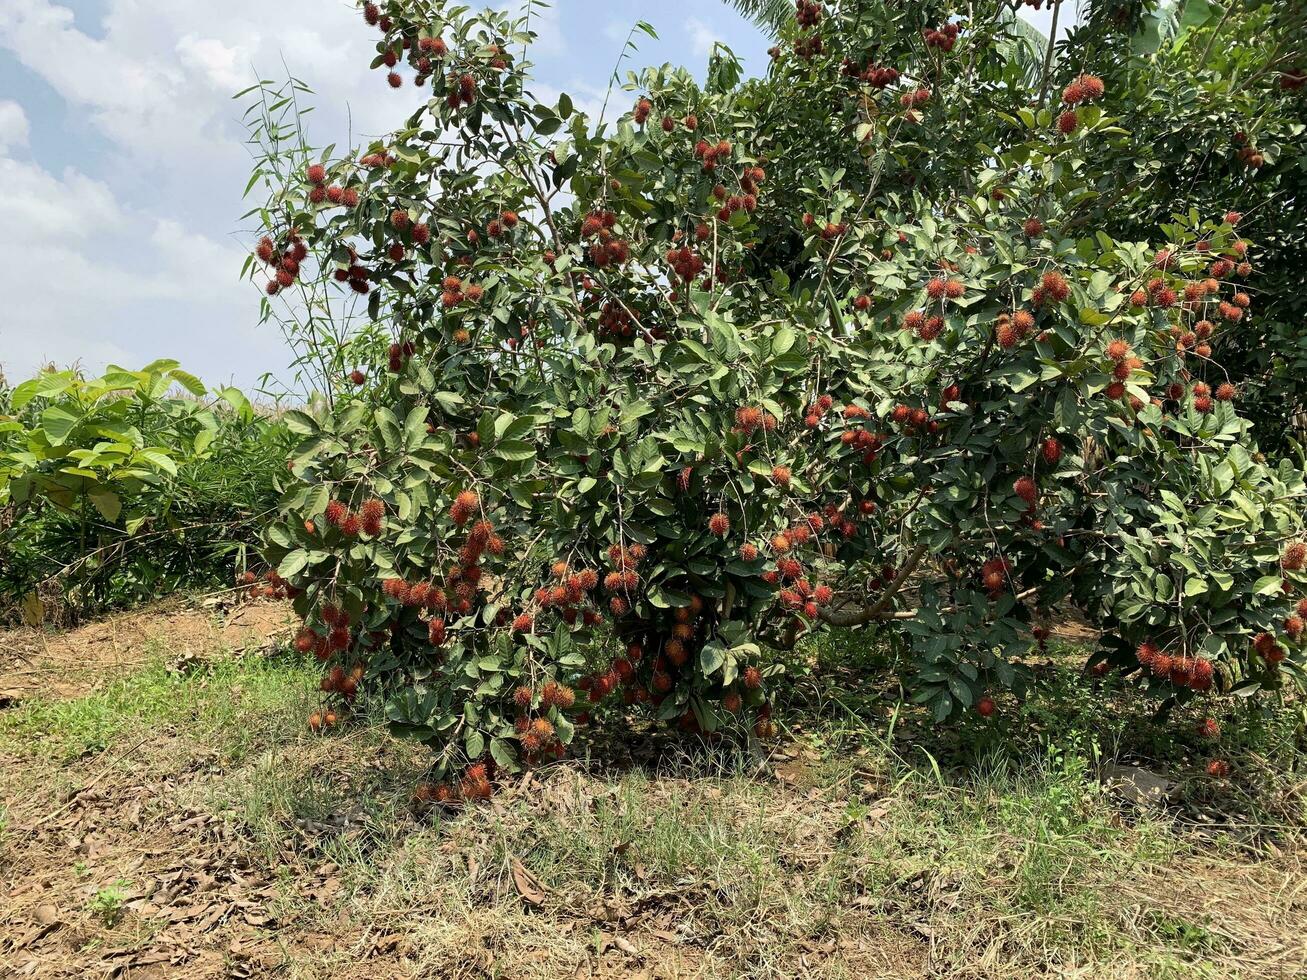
(119, 488)
(660, 398)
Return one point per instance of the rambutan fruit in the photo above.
(1051, 450)
(351, 525)
(1068, 122)
(1293, 627)
(1055, 285)
(1006, 335)
(719, 524)
(781, 475)
(523, 622)
(1033, 227)
(394, 79)
(985, 707)
(1294, 556)
(1115, 390)
(1218, 769)
(464, 506)
(752, 678)
(316, 173)
(1025, 488)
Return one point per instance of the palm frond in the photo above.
(770, 15)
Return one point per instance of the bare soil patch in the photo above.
(34, 662)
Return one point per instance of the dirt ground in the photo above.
(69, 663)
(116, 863)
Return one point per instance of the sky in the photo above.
(123, 162)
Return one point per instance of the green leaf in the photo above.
(108, 503)
(293, 563)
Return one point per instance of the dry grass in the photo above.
(182, 823)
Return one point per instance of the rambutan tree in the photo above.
(834, 348)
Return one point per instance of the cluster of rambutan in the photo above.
(608, 249)
(397, 353)
(462, 90)
(994, 576)
(454, 291)
(916, 98)
(377, 161)
(623, 581)
(503, 225)
(537, 734)
(684, 262)
(1194, 673)
(1251, 157)
(875, 75)
(711, 154)
(641, 112)
(622, 672)
(1011, 329)
(338, 636)
(805, 599)
(570, 591)
(1053, 288)
(807, 13)
(367, 520)
(1124, 364)
(734, 202)
(355, 275)
(273, 586)
(814, 412)
(943, 38)
(830, 230)
(913, 420)
(1086, 88)
(320, 193)
(615, 320)
(927, 327)
(1266, 646)
(751, 418)
(320, 721)
(809, 47)
(476, 784)
(342, 682)
(285, 265)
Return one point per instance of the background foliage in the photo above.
(120, 488)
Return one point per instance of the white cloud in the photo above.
(86, 279)
(701, 36)
(13, 124)
(225, 67)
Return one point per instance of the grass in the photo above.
(238, 702)
(879, 846)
